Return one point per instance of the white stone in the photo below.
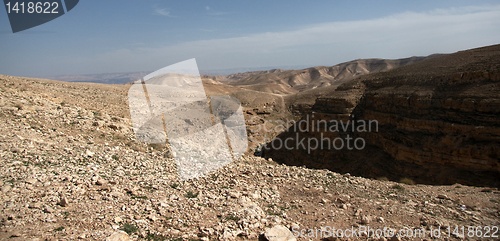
(279, 233)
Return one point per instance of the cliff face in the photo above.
(438, 122)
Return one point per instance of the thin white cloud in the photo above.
(395, 36)
(162, 12)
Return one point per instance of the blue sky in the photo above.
(145, 35)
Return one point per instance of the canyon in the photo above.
(438, 122)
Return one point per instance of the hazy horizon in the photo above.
(223, 35)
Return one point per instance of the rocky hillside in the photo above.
(438, 122)
(71, 169)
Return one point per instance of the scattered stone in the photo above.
(31, 180)
(63, 202)
(89, 153)
(15, 234)
(118, 236)
(6, 188)
(442, 196)
(234, 194)
(152, 217)
(331, 239)
(279, 233)
(35, 205)
(365, 219)
(395, 238)
(48, 209)
(358, 212)
(100, 182)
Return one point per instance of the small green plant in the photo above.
(115, 157)
(129, 228)
(155, 237)
(407, 181)
(232, 217)
(398, 187)
(174, 185)
(58, 229)
(191, 194)
(271, 212)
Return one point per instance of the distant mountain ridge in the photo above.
(106, 78)
(277, 80)
(285, 82)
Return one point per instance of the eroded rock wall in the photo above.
(439, 125)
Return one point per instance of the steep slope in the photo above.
(71, 168)
(438, 122)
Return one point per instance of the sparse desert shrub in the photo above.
(129, 228)
(191, 194)
(232, 217)
(384, 179)
(155, 237)
(58, 229)
(398, 187)
(407, 181)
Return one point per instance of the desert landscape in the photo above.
(71, 167)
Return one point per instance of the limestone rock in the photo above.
(118, 236)
(279, 233)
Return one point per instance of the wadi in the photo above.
(424, 160)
